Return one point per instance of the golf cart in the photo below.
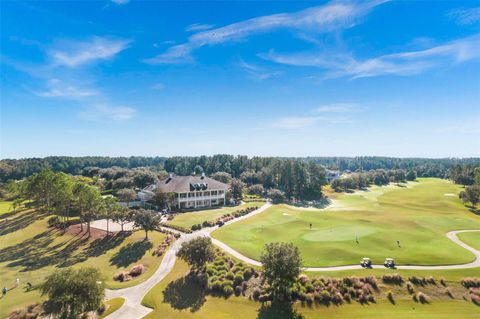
(366, 262)
(389, 263)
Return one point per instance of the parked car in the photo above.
(366, 262)
(220, 223)
(389, 263)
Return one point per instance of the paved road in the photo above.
(132, 308)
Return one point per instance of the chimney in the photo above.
(170, 175)
(203, 175)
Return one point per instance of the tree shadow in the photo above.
(277, 310)
(8, 225)
(100, 246)
(474, 210)
(130, 253)
(184, 293)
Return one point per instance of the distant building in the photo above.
(331, 175)
(190, 191)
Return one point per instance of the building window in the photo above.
(199, 194)
(220, 192)
(214, 193)
(183, 195)
(207, 193)
(191, 195)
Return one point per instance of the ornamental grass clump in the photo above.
(394, 279)
(470, 282)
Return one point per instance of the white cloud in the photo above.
(198, 27)
(102, 111)
(332, 16)
(119, 2)
(465, 16)
(75, 53)
(403, 63)
(174, 55)
(257, 72)
(57, 88)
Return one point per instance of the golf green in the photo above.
(406, 222)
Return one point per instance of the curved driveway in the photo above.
(133, 309)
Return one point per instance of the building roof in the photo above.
(184, 184)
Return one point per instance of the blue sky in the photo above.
(344, 78)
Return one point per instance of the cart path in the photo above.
(133, 309)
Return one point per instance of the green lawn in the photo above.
(30, 251)
(188, 219)
(417, 215)
(112, 306)
(472, 239)
(178, 302)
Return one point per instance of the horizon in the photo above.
(379, 78)
(250, 156)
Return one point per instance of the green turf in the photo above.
(30, 250)
(178, 302)
(198, 217)
(472, 239)
(112, 306)
(418, 215)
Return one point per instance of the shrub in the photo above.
(303, 279)
(337, 299)
(122, 276)
(32, 311)
(410, 288)
(237, 280)
(421, 297)
(238, 290)
(309, 298)
(442, 281)
(179, 228)
(101, 309)
(196, 227)
(256, 293)
(216, 286)
(324, 297)
(471, 282)
(230, 275)
(390, 297)
(395, 279)
(372, 281)
(137, 270)
(476, 299)
(227, 290)
(247, 274)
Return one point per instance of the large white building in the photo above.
(190, 191)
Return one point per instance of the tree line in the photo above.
(379, 177)
(424, 167)
(234, 165)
